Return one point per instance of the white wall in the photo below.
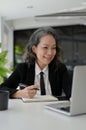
(34, 22)
(0, 29)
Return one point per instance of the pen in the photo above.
(22, 86)
(35, 89)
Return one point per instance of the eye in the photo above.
(45, 47)
(54, 48)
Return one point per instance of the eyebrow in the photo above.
(48, 45)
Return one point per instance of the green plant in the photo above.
(18, 49)
(3, 70)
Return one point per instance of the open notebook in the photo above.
(78, 104)
(45, 98)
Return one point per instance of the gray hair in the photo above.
(35, 40)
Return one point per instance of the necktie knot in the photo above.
(41, 73)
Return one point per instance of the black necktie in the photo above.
(42, 84)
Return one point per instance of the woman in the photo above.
(43, 54)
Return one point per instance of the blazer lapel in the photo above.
(31, 75)
(52, 79)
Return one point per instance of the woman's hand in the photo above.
(28, 92)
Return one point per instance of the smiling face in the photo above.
(45, 51)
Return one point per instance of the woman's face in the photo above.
(45, 50)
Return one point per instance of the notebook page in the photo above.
(44, 98)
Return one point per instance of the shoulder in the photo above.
(21, 67)
(62, 67)
(24, 67)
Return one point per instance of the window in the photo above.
(72, 39)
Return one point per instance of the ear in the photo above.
(34, 49)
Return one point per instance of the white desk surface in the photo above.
(33, 116)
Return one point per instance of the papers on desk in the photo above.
(45, 98)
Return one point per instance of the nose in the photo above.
(49, 52)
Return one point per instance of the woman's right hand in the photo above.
(28, 92)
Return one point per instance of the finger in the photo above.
(32, 94)
(32, 87)
(32, 91)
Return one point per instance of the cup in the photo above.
(4, 97)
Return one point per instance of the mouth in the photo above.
(48, 58)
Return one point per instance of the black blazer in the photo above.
(59, 80)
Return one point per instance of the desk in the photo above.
(33, 116)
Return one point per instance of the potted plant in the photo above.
(3, 60)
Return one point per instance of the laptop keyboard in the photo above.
(67, 109)
(63, 105)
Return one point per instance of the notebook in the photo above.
(40, 98)
(77, 105)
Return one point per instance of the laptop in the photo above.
(77, 105)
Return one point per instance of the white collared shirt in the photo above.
(46, 79)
